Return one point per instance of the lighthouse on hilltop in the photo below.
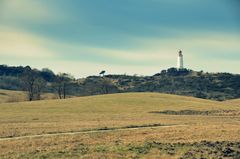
(180, 60)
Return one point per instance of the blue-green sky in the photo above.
(142, 37)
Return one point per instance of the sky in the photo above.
(83, 37)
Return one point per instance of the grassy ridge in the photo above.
(235, 102)
(112, 112)
(97, 111)
(10, 96)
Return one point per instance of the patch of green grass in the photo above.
(195, 112)
(143, 126)
(202, 149)
(185, 112)
(77, 151)
(124, 127)
(148, 149)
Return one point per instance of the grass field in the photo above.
(131, 125)
(235, 102)
(10, 96)
(7, 96)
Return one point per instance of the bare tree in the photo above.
(61, 82)
(38, 87)
(58, 86)
(32, 83)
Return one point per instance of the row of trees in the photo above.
(34, 83)
(218, 86)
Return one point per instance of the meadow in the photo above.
(10, 96)
(128, 125)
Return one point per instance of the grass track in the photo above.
(99, 130)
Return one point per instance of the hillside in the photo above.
(215, 86)
(10, 96)
(7, 96)
(83, 112)
(118, 126)
(235, 102)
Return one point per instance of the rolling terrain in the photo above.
(7, 96)
(235, 102)
(214, 86)
(127, 125)
(10, 96)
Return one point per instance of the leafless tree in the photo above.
(32, 83)
(61, 82)
(38, 87)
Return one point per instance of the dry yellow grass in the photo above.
(116, 110)
(75, 114)
(235, 102)
(10, 96)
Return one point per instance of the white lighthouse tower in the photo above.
(180, 60)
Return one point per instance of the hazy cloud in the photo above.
(22, 45)
(137, 36)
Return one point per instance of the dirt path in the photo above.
(85, 132)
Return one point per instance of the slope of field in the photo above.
(10, 96)
(119, 126)
(235, 102)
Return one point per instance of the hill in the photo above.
(7, 96)
(10, 96)
(126, 125)
(235, 102)
(215, 86)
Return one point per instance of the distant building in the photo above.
(180, 60)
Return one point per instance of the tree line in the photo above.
(34, 82)
(216, 86)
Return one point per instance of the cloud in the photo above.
(197, 46)
(146, 57)
(139, 56)
(18, 44)
(28, 11)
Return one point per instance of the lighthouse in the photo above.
(180, 60)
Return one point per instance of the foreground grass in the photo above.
(119, 145)
(120, 111)
(150, 149)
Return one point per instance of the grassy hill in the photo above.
(235, 102)
(10, 96)
(141, 125)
